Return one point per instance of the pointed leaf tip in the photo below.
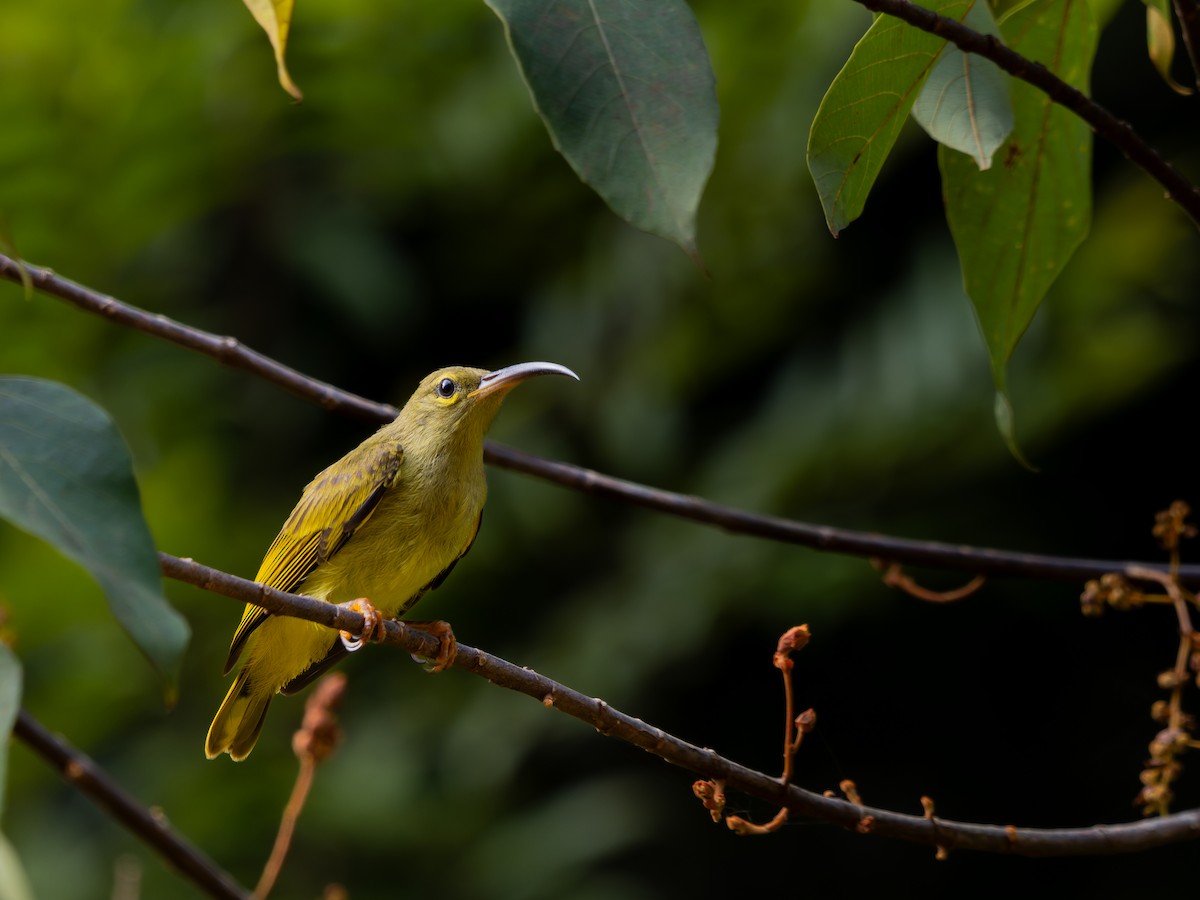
(1006, 424)
(627, 92)
(275, 17)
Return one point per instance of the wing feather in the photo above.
(334, 505)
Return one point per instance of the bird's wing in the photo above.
(338, 649)
(332, 508)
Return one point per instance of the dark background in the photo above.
(411, 213)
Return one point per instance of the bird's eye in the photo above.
(446, 388)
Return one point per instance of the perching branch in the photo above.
(1118, 132)
(151, 827)
(936, 832)
(233, 353)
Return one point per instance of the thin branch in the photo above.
(1099, 839)
(231, 352)
(1104, 123)
(225, 349)
(151, 827)
(980, 560)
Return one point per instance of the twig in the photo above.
(794, 730)
(314, 742)
(151, 827)
(894, 576)
(695, 509)
(1104, 123)
(1096, 840)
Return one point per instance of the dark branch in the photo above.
(81, 772)
(1104, 123)
(228, 350)
(1100, 839)
(736, 521)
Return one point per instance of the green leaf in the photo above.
(862, 112)
(66, 476)
(964, 103)
(10, 702)
(627, 93)
(1017, 224)
(14, 883)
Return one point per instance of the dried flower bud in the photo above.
(1168, 680)
(1160, 711)
(319, 733)
(795, 638)
(1090, 601)
(1170, 525)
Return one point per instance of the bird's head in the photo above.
(460, 402)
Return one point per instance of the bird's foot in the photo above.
(373, 627)
(447, 649)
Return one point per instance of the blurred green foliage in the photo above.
(410, 213)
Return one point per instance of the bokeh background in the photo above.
(411, 213)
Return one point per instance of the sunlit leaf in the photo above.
(1160, 42)
(14, 883)
(1017, 224)
(862, 112)
(964, 103)
(628, 95)
(275, 17)
(10, 702)
(66, 476)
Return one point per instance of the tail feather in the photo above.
(237, 724)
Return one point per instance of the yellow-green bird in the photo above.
(377, 529)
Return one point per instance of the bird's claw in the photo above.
(373, 627)
(447, 648)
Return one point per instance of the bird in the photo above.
(376, 530)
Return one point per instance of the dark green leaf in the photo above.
(862, 112)
(1017, 224)
(628, 95)
(66, 476)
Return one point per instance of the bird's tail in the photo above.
(236, 726)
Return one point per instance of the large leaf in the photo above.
(627, 92)
(964, 103)
(862, 112)
(1017, 224)
(66, 476)
(10, 702)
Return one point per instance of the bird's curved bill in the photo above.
(510, 376)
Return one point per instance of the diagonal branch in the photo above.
(82, 773)
(233, 353)
(1120, 133)
(1100, 839)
